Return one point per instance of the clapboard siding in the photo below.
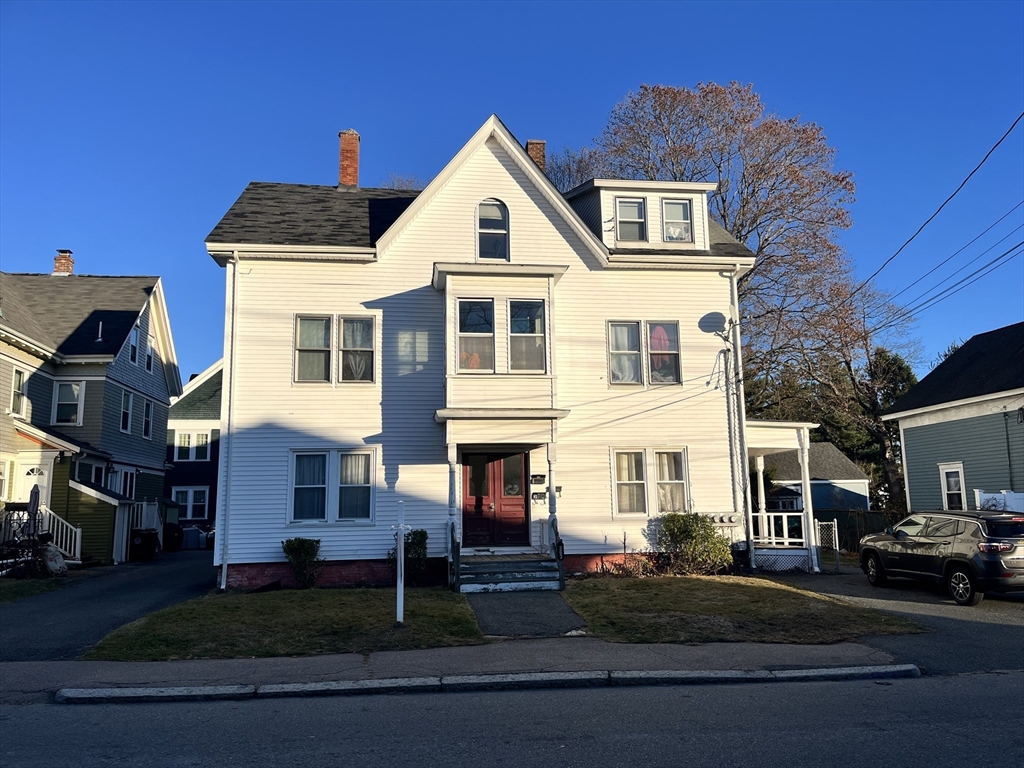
(415, 343)
(979, 442)
(588, 206)
(655, 234)
(40, 391)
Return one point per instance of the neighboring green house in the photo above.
(87, 370)
(962, 427)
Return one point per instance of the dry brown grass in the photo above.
(716, 609)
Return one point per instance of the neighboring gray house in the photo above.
(836, 482)
(962, 426)
(193, 448)
(87, 370)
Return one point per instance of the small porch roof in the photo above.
(765, 437)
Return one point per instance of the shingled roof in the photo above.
(203, 402)
(824, 462)
(987, 363)
(63, 312)
(302, 214)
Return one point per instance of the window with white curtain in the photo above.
(677, 221)
(338, 480)
(357, 349)
(650, 479)
(624, 353)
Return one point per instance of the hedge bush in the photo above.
(304, 557)
(691, 544)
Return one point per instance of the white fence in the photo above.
(1004, 501)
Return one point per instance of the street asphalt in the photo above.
(65, 623)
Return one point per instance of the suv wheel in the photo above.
(961, 586)
(874, 570)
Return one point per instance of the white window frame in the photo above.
(149, 354)
(342, 349)
(81, 404)
(193, 443)
(644, 220)
(958, 467)
(126, 481)
(492, 335)
(651, 481)
(133, 345)
(664, 221)
(333, 480)
(190, 504)
(21, 392)
(296, 349)
(648, 325)
(131, 407)
(507, 232)
(543, 335)
(640, 352)
(147, 419)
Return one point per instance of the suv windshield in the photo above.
(1006, 529)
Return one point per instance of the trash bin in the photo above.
(143, 544)
(210, 538)
(740, 557)
(172, 537)
(191, 540)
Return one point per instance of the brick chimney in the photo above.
(537, 150)
(348, 162)
(63, 264)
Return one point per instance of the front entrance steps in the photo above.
(508, 573)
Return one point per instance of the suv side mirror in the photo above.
(889, 531)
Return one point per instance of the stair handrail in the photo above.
(66, 537)
(557, 550)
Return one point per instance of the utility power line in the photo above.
(937, 210)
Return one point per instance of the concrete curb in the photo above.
(520, 681)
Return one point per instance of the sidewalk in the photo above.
(36, 682)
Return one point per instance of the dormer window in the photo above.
(677, 220)
(492, 225)
(631, 218)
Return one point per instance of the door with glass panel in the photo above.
(494, 494)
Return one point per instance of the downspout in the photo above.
(741, 409)
(228, 455)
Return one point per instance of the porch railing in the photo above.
(66, 537)
(779, 529)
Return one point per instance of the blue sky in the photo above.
(127, 130)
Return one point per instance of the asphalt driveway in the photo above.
(983, 638)
(64, 624)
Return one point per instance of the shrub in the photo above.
(692, 545)
(415, 556)
(304, 557)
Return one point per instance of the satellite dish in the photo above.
(712, 322)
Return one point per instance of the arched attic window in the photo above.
(492, 226)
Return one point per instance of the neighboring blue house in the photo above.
(962, 426)
(836, 482)
(193, 449)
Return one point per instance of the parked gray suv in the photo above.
(970, 552)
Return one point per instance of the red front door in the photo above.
(494, 500)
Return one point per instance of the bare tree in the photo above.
(395, 180)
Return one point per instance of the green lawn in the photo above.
(294, 623)
(16, 589)
(714, 609)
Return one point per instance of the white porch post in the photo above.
(453, 469)
(759, 463)
(804, 437)
(552, 494)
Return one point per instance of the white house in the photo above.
(487, 351)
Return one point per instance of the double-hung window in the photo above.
(127, 399)
(147, 419)
(19, 392)
(663, 352)
(67, 402)
(952, 475)
(526, 336)
(476, 335)
(193, 446)
(356, 349)
(133, 345)
(313, 349)
(677, 221)
(193, 501)
(631, 219)
(331, 486)
(650, 479)
(624, 353)
(128, 483)
(492, 227)
(149, 354)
